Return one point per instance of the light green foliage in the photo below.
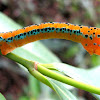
(2, 97)
(37, 52)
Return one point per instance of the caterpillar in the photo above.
(89, 37)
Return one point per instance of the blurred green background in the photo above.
(15, 86)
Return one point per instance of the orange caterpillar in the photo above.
(89, 37)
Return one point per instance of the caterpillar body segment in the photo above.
(89, 37)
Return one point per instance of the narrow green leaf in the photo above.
(34, 87)
(62, 90)
(2, 97)
(90, 76)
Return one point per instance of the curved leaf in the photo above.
(89, 76)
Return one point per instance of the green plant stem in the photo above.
(26, 63)
(42, 70)
(30, 66)
(67, 80)
(40, 77)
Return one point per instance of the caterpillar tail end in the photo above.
(91, 50)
